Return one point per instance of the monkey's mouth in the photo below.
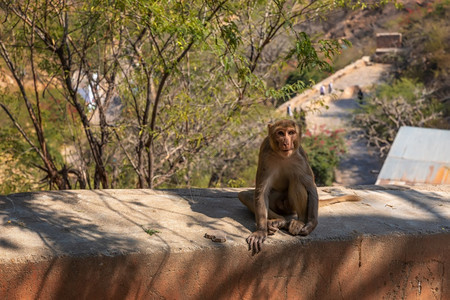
(286, 148)
(286, 152)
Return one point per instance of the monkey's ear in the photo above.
(269, 126)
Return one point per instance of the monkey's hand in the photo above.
(255, 240)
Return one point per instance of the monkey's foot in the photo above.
(295, 227)
(308, 228)
(274, 225)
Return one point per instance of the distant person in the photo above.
(360, 96)
(322, 90)
(289, 111)
(330, 87)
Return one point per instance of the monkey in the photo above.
(285, 185)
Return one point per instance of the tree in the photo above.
(402, 103)
(184, 71)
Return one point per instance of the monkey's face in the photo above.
(284, 137)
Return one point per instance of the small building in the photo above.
(417, 156)
(388, 42)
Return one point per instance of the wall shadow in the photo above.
(218, 204)
(80, 258)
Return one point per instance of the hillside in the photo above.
(361, 26)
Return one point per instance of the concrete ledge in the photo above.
(92, 245)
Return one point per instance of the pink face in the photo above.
(285, 139)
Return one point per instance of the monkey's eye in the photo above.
(280, 133)
(291, 132)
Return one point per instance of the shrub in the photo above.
(405, 103)
(324, 151)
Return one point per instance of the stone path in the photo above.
(361, 164)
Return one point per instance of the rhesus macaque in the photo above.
(284, 186)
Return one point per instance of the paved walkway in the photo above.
(361, 164)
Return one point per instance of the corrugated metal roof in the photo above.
(417, 156)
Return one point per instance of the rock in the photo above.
(217, 236)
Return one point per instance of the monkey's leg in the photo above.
(298, 198)
(275, 221)
(277, 206)
(248, 199)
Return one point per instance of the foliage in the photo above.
(15, 177)
(17, 159)
(150, 231)
(232, 160)
(417, 97)
(324, 150)
(308, 78)
(405, 103)
(186, 73)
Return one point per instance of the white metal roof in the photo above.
(417, 156)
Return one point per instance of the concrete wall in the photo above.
(90, 245)
(414, 267)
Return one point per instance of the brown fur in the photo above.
(284, 185)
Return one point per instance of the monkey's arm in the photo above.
(261, 208)
(257, 238)
(308, 181)
(312, 216)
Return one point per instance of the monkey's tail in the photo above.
(340, 199)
